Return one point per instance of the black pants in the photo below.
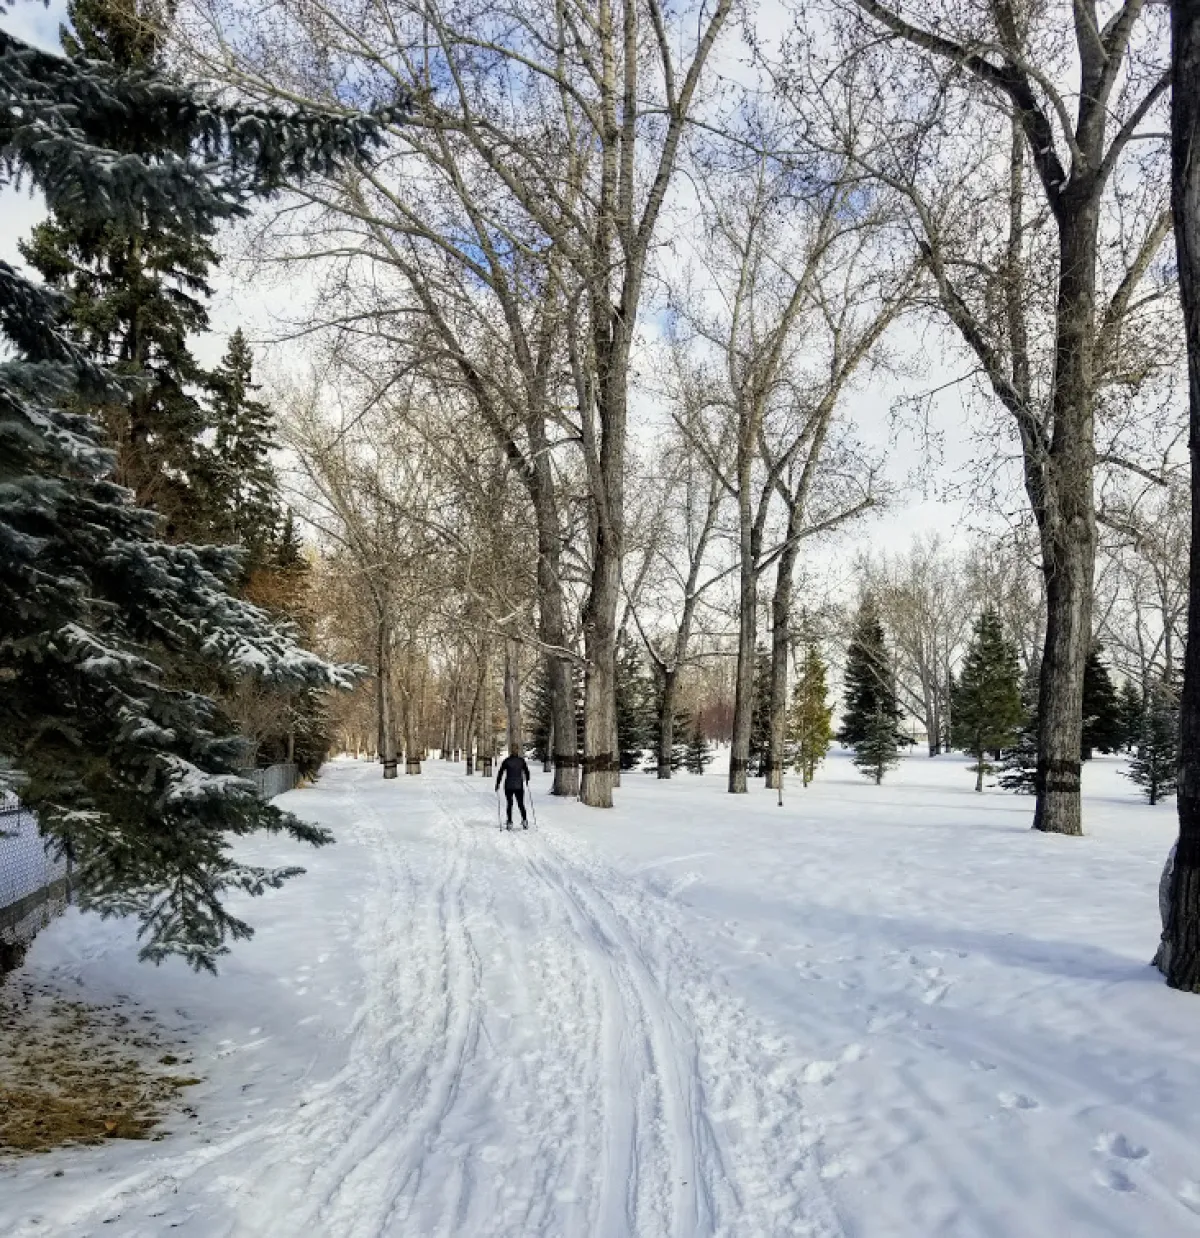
(518, 794)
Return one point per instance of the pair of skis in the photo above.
(508, 826)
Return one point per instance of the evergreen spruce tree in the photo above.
(1130, 709)
(679, 749)
(134, 295)
(1155, 765)
(811, 721)
(986, 705)
(872, 713)
(634, 691)
(699, 754)
(130, 771)
(1018, 765)
(280, 582)
(1101, 709)
(877, 748)
(245, 499)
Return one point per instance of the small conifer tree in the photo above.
(698, 754)
(877, 748)
(1101, 709)
(872, 715)
(812, 726)
(1018, 765)
(635, 704)
(245, 488)
(987, 707)
(1130, 706)
(1155, 764)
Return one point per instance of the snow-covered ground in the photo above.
(889, 1012)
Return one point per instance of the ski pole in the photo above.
(532, 810)
(499, 819)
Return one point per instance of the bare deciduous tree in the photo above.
(1017, 237)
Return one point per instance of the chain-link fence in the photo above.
(34, 884)
(272, 781)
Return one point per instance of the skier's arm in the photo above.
(525, 767)
(500, 774)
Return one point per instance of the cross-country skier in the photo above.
(515, 773)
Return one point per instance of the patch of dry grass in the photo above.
(71, 1073)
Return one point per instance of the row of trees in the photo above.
(120, 644)
(484, 281)
(483, 253)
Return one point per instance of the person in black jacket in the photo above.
(515, 773)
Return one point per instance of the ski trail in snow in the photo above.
(731, 1088)
(647, 1092)
(420, 1027)
(536, 1049)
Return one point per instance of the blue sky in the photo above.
(258, 307)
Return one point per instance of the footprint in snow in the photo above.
(820, 1072)
(1114, 1179)
(839, 1167)
(937, 986)
(1189, 1194)
(1016, 1100)
(1113, 1143)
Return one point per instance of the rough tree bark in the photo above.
(512, 695)
(1059, 449)
(781, 624)
(749, 550)
(487, 730)
(385, 703)
(1179, 954)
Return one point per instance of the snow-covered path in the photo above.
(908, 1019)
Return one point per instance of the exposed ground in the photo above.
(76, 1073)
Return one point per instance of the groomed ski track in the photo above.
(538, 1051)
(876, 1013)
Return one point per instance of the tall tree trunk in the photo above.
(512, 695)
(387, 721)
(413, 750)
(547, 756)
(748, 547)
(666, 719)
(487, 733)
(1179, 956)
(1065, 508)
(552, 612)
(471, 734)
(743, 689)
(933, 713)
(781, 622)
(601, 760)
(600, 754)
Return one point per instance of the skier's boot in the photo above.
(524, 824)
(508, 826)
